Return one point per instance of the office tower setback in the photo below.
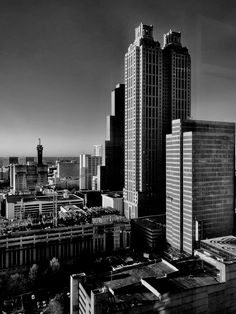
(199, 182)
(157, 90)
(111, 177)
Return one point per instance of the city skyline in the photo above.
(60, 61)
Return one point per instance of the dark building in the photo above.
(200, 167)
(111, 176)
(40, 153)
(157, 90)
(148, 233)
(13, 160)
(91, 198)
(38, 246)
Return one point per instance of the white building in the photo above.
(88, 169)
(113, 200)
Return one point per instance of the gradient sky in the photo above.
(60, 59)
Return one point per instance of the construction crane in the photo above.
(54, 209)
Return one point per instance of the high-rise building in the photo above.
(157, 90)
(97, 150)
(88, 169)
(199, 182)
(111, 176)
(25, 178)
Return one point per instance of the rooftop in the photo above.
(225, 247)
(151, 222)
(167, 285)
(130, 275)
(114, 194)
(134, 275)
(45, 198)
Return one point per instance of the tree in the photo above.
(55, 265)
(56, 305)
(33, 272)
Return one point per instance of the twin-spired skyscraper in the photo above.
(157, 91)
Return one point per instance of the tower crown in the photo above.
(143, 31)
(172, 38)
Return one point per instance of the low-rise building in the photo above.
(20, 206)
(66, 243)
(67, 169)
(113, 200)
(148, 233)
(209, 287)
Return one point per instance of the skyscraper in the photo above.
(97, 150)
(111, 175)
(157, 90)
(88, 169)
(199, 182)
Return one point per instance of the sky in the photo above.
(60, 60)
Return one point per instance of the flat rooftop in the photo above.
(130, 275)
(45, 198)
(114, 194)
(225, 247)
(180, 283)
(127, 298)
(134, 275)
(151, 222)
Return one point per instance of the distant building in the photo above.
(88, 169)
(113, 200)
(68, 169)
(97, 150)
(91, 198)
(23, 206)
(26, 160)
(4, 173)
(199, 182)
(25, 178)
(148, 233)
(13, 160)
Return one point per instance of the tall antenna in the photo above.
(39, 141)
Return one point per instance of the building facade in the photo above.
(111, 176)
(199, 182)
(25, 178)
(157, 90)
(113, 200)
(97, 150)
(67, 169)
(23, 206)
(65, 243)
(88, 169)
